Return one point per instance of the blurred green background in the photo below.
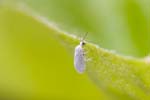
(121, 25)
(34, 64)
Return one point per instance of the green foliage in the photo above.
(35, 57)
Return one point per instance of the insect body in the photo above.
(79, 60)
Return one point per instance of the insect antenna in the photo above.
(83, 38)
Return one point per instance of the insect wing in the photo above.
(79, 59)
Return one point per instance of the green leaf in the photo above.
(35, 63)
(123, 78)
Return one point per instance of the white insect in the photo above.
(79, 60)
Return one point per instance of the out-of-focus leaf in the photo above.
(121, 25)
(34, 63)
